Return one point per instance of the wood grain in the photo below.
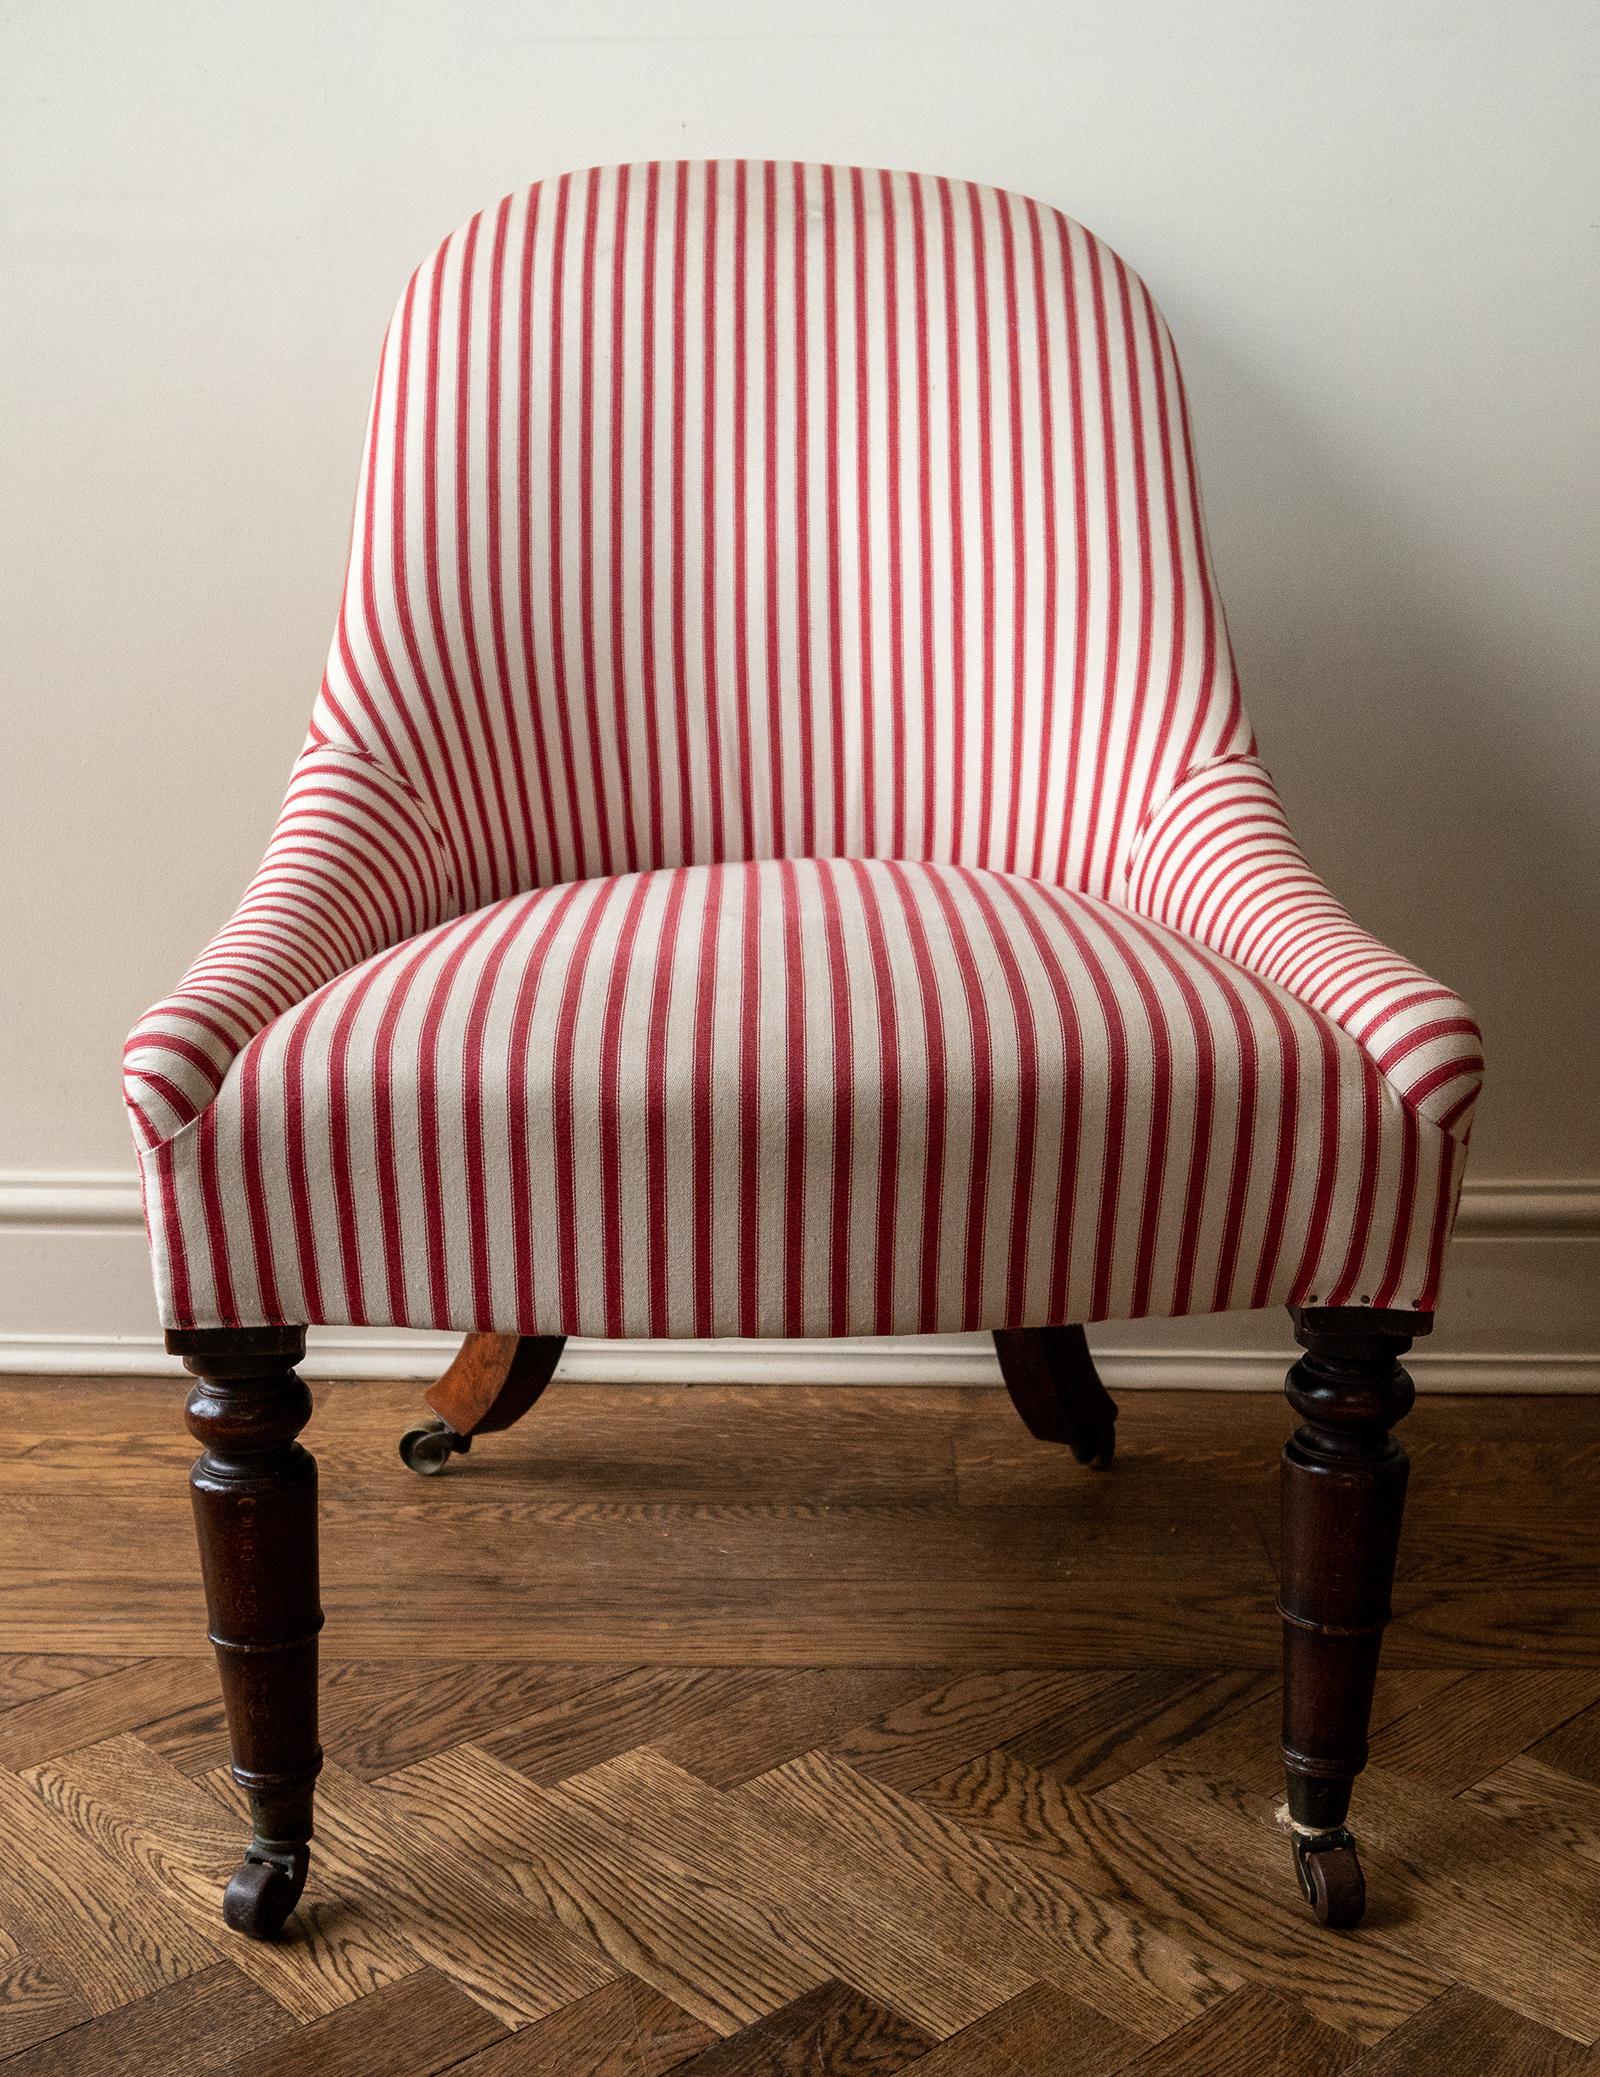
(920, 1958)
(935, 1731)
(1059, 1929)
(34, 2004)
(832, 2028)
(720, 1733)
(623, 2029)
(208, 2022)
(56, 1722)
(26, 1676)
(411, 2029)
(1462, 2031)
(1559, 1808)
(623, 1526)
(1044, 2033)
(183, 1845)
(454, 1915)
(1251, 2032)
(724, 1955)
(89, 1914)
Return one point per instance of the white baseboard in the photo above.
(905, 1360)
(1521, 1312)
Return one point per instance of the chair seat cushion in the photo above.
(817, 1096)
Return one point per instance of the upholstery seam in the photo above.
(423, 807)
(1154, 815)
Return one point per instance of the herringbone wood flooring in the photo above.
(789, 1731)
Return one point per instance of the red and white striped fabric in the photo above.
(779, 849)
(1218, 863)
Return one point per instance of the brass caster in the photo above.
(1330, 1877)
(428, 1449)
(264, 1891)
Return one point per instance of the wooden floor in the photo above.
(796, 1731)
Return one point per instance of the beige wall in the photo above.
(1371, 224)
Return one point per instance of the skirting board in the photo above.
(1521, 1312)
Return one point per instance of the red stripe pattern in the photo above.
(356, 863)
(1219, 863)
(779, 849)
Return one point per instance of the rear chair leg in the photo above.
(1344, 1489)
(492, 1383)
(255, 1509)
(1054, 1385)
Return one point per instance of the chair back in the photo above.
(735, 510)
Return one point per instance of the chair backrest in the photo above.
(738, 509)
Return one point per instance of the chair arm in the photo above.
(355, 865)
(1218, 862)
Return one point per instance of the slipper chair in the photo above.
(779, 851)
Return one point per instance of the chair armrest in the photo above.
(1218, 862)
(355, 865)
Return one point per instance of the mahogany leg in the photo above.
(492, 1383)
(255, 1509)
(1054, 1385)
(1344, 1489)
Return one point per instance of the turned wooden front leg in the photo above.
(1344, 1489)
(255, 1508)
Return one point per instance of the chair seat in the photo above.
(797, 1097)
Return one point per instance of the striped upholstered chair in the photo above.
(779, 851)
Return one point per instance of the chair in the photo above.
(779, 851)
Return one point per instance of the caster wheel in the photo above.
(258, 1900)
(427, 1450)
(1097, 1449)
(1330, 1876)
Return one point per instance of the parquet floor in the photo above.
(782, 1731)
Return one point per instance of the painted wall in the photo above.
(1372, 225)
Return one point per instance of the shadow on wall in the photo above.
(1413, 737)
